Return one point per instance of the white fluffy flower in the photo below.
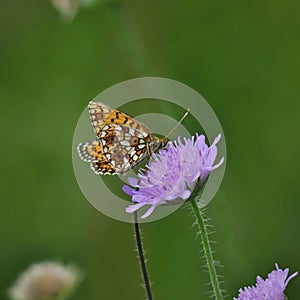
(66, 8)
(46, 280)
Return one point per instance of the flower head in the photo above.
(46, 280)
(270, 289)
(173, 173)
(67, 8)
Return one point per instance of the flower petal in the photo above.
(173, 172)
(132, 181)
(272, 288)
(148, 212)
(133, 208)
(128, 190)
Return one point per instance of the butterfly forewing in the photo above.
(123, 141)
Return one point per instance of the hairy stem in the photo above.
(207, 250)
(139, 245)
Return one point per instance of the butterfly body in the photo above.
(122, 142)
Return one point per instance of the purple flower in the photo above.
(173, 173)
(270, 289)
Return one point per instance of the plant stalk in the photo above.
(141, 255)
(207, 250)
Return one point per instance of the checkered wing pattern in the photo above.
(122, 143)
(92, 152)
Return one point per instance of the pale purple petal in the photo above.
(132, 181)
(133, 208)
(186, 194)
(270, 289)
(128, 190)
(218, 164)
(148, 212)
(173, 173)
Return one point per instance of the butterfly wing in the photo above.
(93, 152)
(125, 141)
(123, 146)
(99, 113)
(90, 151)
(103, 168)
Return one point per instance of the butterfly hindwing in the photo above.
(102, 168)
(122, 143)
(91, 151)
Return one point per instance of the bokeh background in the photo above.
(242, 56)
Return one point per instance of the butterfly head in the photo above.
(164, 142)
(160, 143)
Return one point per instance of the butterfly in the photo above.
(122, 142)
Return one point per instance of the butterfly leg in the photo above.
(149, 150)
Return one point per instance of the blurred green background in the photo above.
(242, 56)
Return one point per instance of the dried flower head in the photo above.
(67, 8)
(173, 173)
(270, 289)
(45, 281)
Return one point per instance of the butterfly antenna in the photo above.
(179, 122)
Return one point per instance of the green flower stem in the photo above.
(207, 249)
(129, 39)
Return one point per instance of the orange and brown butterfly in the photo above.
(122, 142)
